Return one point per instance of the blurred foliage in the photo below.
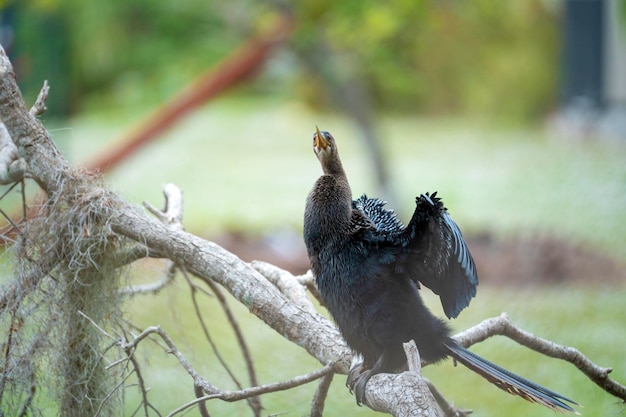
(447, 56)
(119, 51)
(433, 56)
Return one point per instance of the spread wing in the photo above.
(430, 249)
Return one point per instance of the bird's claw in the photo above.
(359, 388)
(353, 374)
(357, 380)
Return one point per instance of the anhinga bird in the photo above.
(369, 266)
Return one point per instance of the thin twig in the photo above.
(254, 405)
(446, 406)
(110, 394)
(152, 287)
(207, 334)
(13, 224)
(232, 396)
(199, 393)
(172, 213)
(204, 412)
(319, 399)
(94, 324)
(129, 359)
(215, 393)
(9, 189)
(142, 385)
(241, 340)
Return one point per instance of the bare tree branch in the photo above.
(208, 336)
(142, 385)
(317, 405)
(286, 283)
(40, 104)
(308, 280)
(172, 213)
(403, 395)
(212, 391)
(152, 287)
(259, 390)
(503, 326)
(255, 402)
(172, 216)
(209, 261)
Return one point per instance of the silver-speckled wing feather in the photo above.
(382, 219)
(430, 249)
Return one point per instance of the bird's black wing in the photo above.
(443, 262)
(430, 249)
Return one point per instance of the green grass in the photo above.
(249, 166)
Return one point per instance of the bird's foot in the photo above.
(353, 374)
(357, 380)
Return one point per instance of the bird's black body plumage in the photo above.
(369, 266)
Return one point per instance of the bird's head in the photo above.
(325, 149)
(324, 145)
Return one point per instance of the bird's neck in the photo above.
(328, 211)
(333, 167)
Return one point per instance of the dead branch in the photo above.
(171, 215)
(231, 396)
(172, 212)
(212, 391)
(286, 283)
(501, 325)
(317, 405)
(255, 402)
(40, 104)
(406, 394)
(152, 287)
(209, 261)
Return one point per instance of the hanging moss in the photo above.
(72, 239)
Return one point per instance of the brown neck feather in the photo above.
(331, 165)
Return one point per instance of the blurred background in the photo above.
(515, 112)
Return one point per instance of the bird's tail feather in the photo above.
(510, 382)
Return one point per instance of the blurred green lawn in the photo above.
(248, 165)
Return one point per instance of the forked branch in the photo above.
(501, 325)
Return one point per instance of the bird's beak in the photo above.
(320, 141)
